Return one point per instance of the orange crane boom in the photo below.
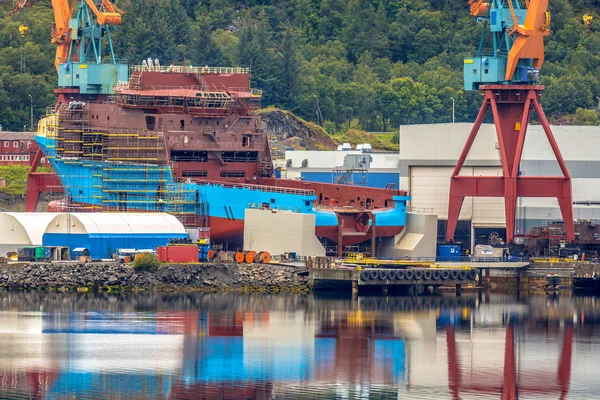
(60, 31)
(107, 14)
(529, 42)
(478, 8)
(526, 26)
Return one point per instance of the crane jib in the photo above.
(517, 51)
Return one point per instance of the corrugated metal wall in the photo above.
(430, 188)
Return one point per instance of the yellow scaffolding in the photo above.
(130, 170)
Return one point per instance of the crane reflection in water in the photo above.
(234, 346)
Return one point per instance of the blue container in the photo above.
(203, 250)
(449, 252)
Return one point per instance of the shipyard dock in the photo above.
(413, 280)
(417, 278)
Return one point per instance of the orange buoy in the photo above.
(250, 255)
(211, 254)
(239, 257)
(265, 257)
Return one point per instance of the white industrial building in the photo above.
(428, 155)
(378, 169)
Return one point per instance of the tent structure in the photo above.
(22, 229)
(103, 233)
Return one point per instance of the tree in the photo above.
(388, 105)
(289, 63)
(375, 63)
(565, 94)
(363, 30)
(203, 50)
(255, 52)
(331, 14)
(586, 117)
(227, 43)
(153, 28)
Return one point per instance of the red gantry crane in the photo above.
(508, 75)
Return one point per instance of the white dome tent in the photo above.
(22, 229)
(103, 233)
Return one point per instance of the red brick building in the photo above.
(17, 148)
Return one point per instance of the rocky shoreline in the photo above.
(207, 277)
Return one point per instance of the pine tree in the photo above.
(255, 52)
(289, 70)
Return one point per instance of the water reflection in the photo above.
(233, 346)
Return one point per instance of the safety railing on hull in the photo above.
(463, 259)
(188, 69)
(270, 189)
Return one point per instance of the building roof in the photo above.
(23, 228)
(115, 223)
(4, 135)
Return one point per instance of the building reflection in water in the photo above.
(391, 346)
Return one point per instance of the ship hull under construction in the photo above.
(128, 186)
(188, 141)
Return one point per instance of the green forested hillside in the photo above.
(372, 64)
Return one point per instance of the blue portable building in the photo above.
(103, 233)
(448, 252)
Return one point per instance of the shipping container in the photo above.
(177, 254)
(35, 253)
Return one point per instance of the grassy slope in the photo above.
(12, 196)
(322, 140)
(378, 141)
(16, 178)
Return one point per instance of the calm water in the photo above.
(233, 346)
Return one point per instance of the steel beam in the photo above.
(373, 235)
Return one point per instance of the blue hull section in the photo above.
(121, 186)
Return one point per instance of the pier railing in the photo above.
(423, 261)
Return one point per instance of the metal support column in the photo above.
(373, 235)
(340, 236)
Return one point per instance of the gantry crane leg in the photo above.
(511, 106)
